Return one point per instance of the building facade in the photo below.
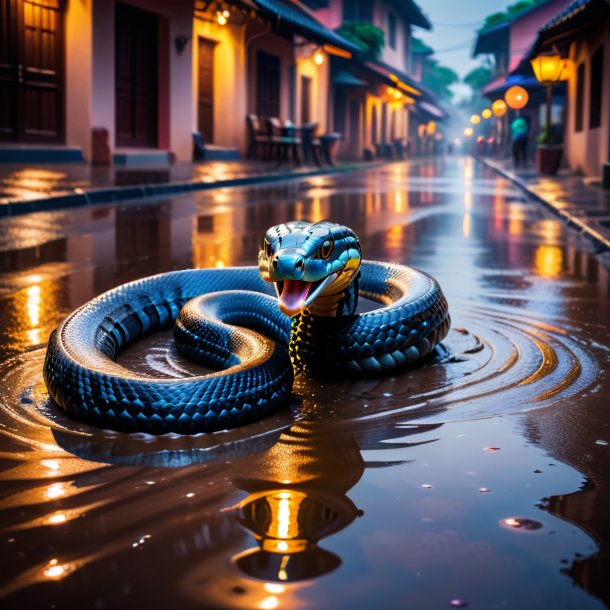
(132, 81)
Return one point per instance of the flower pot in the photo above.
(548, 159)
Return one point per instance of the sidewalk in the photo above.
(27, 188)
(584, 206)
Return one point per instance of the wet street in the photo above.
(480, 478)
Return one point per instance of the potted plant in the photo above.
(548, 152)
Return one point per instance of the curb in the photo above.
(96, 196)
(601, 243)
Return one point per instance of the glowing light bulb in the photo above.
(318, 58)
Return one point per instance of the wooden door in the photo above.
(305, 100)
(136, 70)
(205, 108)
(31, 71)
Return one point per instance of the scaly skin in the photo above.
(318, 274)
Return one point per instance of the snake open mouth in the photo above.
(294, 295)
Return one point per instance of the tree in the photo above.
(513, 9)
(438, 78)
(366, 35)
(477, 78)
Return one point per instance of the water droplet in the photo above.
(484, 490)
(426, 485)
(150, 482)
(521, 523)
(491, 449)
(387, 394)
(190, 494)
(601, 442)
(458, 603)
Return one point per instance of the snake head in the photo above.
(311, 264)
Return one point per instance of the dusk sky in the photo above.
(454, 30)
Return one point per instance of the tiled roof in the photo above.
(568, 13)
(302, 21)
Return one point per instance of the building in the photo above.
(581, 33)
(375, 99)
(507, 43)
(130, 82)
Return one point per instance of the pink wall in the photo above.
(175, 71)
(523, 32)
(588, 150)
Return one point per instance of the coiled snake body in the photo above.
(229, 319)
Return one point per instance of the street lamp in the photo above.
(499, 108)
(468, 132)
(516, 97)
(486, 113)
(475, 119)
(548, 70)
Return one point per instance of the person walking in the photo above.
(519, 131)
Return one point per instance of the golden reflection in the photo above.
(468, 199)
(548, 261)
(466, 225)
(56, 490)
(33, 307)
(297, 496)
(269, 603)
(468, 169)
(316, 210)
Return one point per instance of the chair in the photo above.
(258, 136)
(284, 138)
(311, 145)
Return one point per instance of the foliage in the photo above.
(477, 78)
(438, 78)
(550, 137)
(511, 11)
(418, 46)
(366, 35)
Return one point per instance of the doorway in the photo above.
(136, 73)
(205, 98)
(31, 71)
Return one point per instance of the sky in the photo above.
(454, 29)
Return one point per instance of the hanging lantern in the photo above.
(468, 132)
(486, 114)
(431, 128)
(499, 108)
(516, 97)
(475, 119)
(548, 69)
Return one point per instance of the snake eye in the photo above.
(326, 249)
(266, 247)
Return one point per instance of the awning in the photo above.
(394, 78)
(498, 86)
(430, 109)
(348, 79)
(573, 23)
(303, 22)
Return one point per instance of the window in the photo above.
(305, 99)
(267, 84)
(357, 10)
(595, 101)
(580, 97)
(392, 30)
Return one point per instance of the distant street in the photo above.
(481, 477)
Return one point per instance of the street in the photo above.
(480, 478)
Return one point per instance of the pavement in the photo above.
(27, 188)
(582, 204)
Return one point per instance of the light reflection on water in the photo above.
(362, 492)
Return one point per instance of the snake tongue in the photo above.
(292, 296)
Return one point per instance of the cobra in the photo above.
(229, 320)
